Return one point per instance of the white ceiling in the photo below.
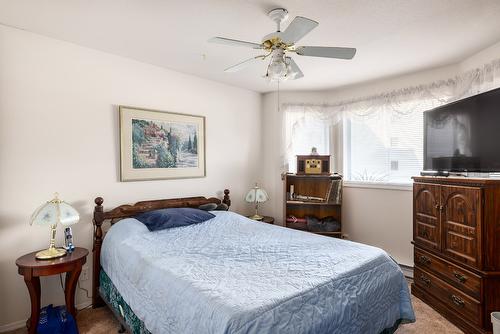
(392, 36)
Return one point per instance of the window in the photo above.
(308, 131)
(385, 147)
(382, 145)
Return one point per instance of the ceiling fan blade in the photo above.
(242, 65)
(325, 51)
(234, 42)
(298, 28)
(295, 69)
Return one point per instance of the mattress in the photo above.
(234, 275)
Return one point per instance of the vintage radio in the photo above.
(313, 164)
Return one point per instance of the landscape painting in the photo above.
(161, 145)
(158, 144)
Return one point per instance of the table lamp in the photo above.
(50, 214)
(256, 195)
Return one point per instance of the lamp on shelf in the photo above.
(256, 195)
(50, 214)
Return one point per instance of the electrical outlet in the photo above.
(84, 274)
(345, 236)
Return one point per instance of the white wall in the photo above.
(379, 217)
(59, 132)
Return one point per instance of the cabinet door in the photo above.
(426, 229)
(461, 223)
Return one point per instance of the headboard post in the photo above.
(96, 249)
(226, 199)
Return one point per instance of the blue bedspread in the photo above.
(234, 275)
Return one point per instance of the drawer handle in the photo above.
(461, 278)
(426, 280)
(424, 260)
(457, 301)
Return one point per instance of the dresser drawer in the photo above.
(453, 298)
(460, 278)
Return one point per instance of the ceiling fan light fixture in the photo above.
(291, 73)
(277, 69)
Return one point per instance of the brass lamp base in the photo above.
(256, 217)
(50, 253)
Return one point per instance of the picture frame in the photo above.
(157, 145)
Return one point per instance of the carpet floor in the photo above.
(102, 321)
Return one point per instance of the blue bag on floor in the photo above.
(56, 320)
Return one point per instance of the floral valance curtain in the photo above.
(402, 102)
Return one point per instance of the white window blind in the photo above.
(385, 147)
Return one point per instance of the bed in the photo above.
(234, 275)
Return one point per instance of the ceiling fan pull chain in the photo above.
(278, 96)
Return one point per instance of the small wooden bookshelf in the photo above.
(319, 196)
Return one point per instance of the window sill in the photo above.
(379, 185)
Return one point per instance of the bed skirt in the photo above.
(115, 300)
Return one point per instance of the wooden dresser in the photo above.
(456, 235)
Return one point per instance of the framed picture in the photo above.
(161, 145)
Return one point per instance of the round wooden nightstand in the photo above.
(32, 269)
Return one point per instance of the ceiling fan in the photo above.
(279, 43)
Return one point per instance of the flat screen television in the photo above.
(464, 136)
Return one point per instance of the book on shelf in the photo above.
(334, 192)
(338, 198)
(304, 198)
(329, 192)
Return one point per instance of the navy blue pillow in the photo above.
(174, 217)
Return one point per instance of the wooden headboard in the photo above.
(124, 211)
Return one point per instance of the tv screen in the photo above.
(464, 135)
